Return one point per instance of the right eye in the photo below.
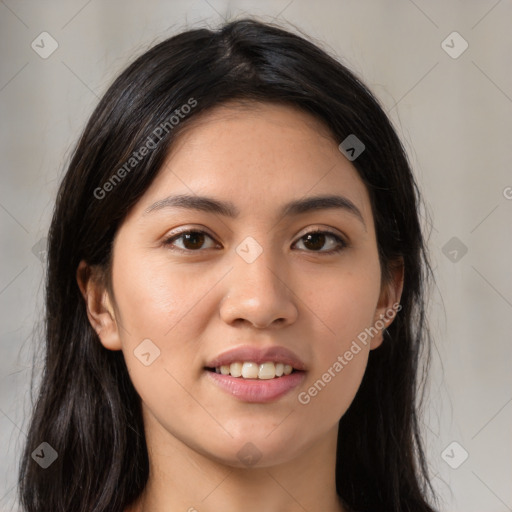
(192, 240)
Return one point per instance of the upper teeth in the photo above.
(250, 370)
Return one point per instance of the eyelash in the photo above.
(341, 243)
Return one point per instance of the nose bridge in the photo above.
(257, 290)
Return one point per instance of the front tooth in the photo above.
(224, 369)
(279, 369)
(250, 371)
(267, 371)
(235, 369)
(287, 369)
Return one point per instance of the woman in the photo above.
(235, 292)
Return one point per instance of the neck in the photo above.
(182, 479)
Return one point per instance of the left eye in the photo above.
(317, 239)
(193, 240)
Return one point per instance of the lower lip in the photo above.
(257, 390)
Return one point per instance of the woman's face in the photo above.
(251, 280)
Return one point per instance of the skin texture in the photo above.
(195, 306)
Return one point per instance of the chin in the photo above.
(257, 450)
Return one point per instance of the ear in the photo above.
(100, 312)
(389, 301)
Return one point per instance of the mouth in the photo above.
(256, 390)
(251, 370)
(256, 375)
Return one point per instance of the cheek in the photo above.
(345, 303)
(159, 324)
(154, 296)
(344, 299)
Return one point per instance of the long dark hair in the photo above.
(87, 408)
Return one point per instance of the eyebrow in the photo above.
(228, 209)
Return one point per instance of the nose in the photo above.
(258, 294)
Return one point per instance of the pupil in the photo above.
(315, 236)
(193, 237)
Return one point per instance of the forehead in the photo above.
(244, 120)
(257, 155)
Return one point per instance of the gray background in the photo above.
(453, 115)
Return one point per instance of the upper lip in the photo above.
(248, 353)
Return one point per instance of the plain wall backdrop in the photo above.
(452, 107)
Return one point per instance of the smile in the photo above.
(256, 389)
(251, 370)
